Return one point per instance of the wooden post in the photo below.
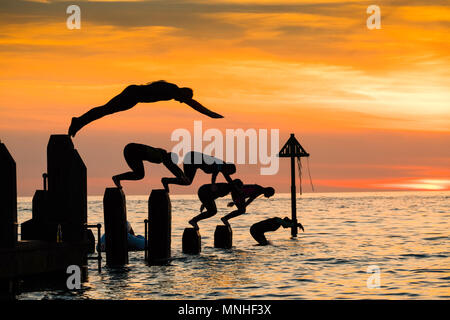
(64, 204)
(160, 227)
(192, 241)
(67, 187)
(8, 199)
(223, 237)
(116, 238)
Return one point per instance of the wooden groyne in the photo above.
(56, 236)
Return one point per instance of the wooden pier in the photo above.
(57, 235)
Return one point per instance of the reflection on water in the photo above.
(406, 234)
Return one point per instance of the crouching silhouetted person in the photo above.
(208, 193)
(193, 161)
(258, 229)
(244, 197)
(135, 154)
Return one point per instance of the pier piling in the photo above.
(8, 199)
(192, 241)
(55, 237)
(67, 187)
(39, 205)
(223, 237)
(65, 201)
(115, 215)
(160, 227)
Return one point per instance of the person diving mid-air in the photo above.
(133, 94)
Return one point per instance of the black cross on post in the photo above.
(293, 149)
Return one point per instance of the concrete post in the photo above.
(116, 238)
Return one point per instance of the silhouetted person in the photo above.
(208, 193)
(249, 192)
(133, 94)
(130, 229)
(258, 229)
(134, 242)
(135, 154)
(196, 160)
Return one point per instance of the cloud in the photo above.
(309, 67)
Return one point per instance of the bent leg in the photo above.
(232, 214)
(177, 172)
(211, 210)
(136, 165)
(183, 180)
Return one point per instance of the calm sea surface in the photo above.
(405, 234)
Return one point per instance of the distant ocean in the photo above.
(403, 235)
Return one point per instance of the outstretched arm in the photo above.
(213, 182)
(287, 223)
(228, 178)
(250, 200)
(254, 196)
(233, 186)
(214, 177)
(197, 106)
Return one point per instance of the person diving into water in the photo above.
(258, 229)
(133, 94)
(208, 193)
(135, 154)
(249, 192)
(196, 160)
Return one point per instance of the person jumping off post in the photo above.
(207, 194)
(196, 160)
(250, 191)
(135, 154)
(133, 94)
(258, 229)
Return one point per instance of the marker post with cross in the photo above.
(293, 149)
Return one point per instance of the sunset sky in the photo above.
(372, 107)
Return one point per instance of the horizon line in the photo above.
(284, 193)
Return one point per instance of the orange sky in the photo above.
(372, 107)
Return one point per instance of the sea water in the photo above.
(400, 238)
